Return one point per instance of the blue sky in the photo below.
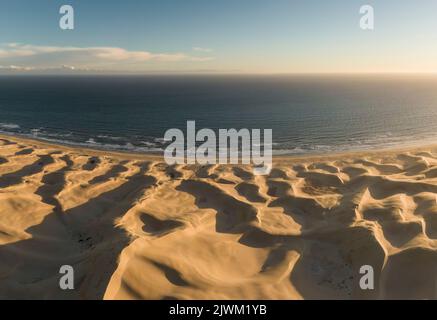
(247, 36)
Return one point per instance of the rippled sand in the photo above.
(134, 228)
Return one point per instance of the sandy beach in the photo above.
(133, 227)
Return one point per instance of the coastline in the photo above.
(156, 156)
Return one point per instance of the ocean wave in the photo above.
(148, 144)
(159, 140)
(9, 126)
(89, 143)
(294, 151)
(109, 137)
(41, 132)
(273, 144)
(92, 143)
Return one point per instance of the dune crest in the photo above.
(133, 227)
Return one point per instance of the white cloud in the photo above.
(108, 53)
(16, 68)
(56, 69)
(35, 56)
(200, 49)
(68, 67)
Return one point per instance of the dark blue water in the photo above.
(307, 113)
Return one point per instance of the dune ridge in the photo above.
(135, 228)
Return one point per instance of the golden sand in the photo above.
(133, 227)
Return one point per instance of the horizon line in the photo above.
(224, 73)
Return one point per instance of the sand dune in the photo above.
(134, 228)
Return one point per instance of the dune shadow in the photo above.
(25, 151)
(172, 275)
(84, 237)
(233, 216)
(114, 172)
(5, 142)
(16, 177)
(92, 163)
(158, 227)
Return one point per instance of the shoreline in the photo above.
(157, 156)
(91, 151)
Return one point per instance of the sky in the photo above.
(221, 36)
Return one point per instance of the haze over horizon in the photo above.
(222, 37)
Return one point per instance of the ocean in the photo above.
(307, 113)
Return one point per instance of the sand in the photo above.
(133, 227)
